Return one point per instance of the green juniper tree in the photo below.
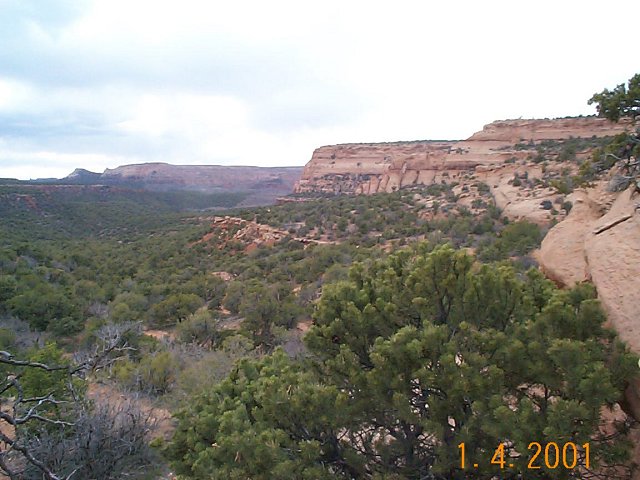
(622, 101)
(414, 355)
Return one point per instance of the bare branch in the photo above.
(109, 348)
(49, 475)
(7, 358)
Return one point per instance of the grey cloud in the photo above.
(282, 92)
(210, 63)
(51, 126)
(82, 133)
(83, 92)
(269, 75)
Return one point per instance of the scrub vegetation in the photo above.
(355, 337)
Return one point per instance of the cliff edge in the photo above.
(369, 168)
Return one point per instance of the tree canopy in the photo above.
(412, 356)
(622, 101)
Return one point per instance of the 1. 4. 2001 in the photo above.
(550, 455)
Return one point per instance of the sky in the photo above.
(99, 83)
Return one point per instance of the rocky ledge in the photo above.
(384, 167)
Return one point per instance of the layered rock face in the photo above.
(205, 177)
(385, 167)
(514, 131)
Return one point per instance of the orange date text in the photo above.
(550, 455)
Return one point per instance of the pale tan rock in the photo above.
(600, 241)
(514, 131)
(225, 276)
(613, 258)
(383, 167)
(562, 255)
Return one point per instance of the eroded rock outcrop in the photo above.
(385, 167)
(248, 233)
(612, 252)
(600, 241)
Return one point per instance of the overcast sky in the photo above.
(101, 83)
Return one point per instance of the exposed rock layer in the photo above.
(385, 167)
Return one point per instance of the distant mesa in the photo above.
(205, 178)
(263, 184)
(258, 185)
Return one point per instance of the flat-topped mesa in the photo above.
(384, 167)
(205, 177)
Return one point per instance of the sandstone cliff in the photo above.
(385, 167)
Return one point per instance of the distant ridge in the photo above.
(206, 178)
(83, 176)
(262, 185)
